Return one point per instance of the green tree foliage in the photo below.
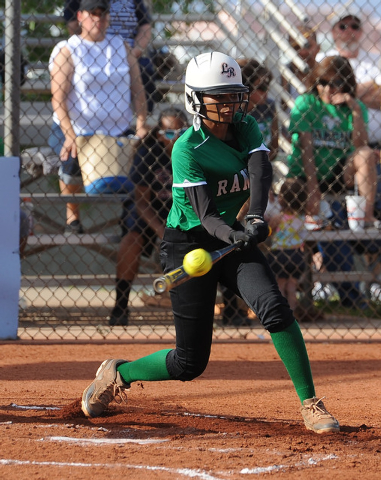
(158, 6)
(37, 6)
(184, 6)
(36, 29)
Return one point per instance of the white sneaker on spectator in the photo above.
(375, 292)
(325, 292)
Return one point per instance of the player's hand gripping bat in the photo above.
(179, 275)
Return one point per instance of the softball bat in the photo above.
(179, 275)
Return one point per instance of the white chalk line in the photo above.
(186, 472)
(104, 441)
(272, 468)
(182, 471)
(190, 414)
(33, 407)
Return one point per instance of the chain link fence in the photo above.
(68, 273)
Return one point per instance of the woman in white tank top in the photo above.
(91, 85)
(95, 82)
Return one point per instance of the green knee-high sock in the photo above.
(150, 368)
(292, 350)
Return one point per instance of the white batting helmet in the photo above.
(211, 73)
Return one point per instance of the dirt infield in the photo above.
(239, 420)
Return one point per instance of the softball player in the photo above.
(217, 164)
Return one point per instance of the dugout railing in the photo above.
(68, 281)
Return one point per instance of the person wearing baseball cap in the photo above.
(96, 87)
(347, 27)
(131, 20)
(347, 33)
(351, 11)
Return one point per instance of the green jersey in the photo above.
(200, 158)
(331, 127)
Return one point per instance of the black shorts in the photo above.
(246, 273)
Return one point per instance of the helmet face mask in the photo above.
(214, 74)
(217, 109)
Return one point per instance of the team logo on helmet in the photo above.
(229, 71)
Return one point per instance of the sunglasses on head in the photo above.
(331, 83)
(353, 26)
(170, 133)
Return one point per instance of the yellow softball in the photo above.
(197, 262)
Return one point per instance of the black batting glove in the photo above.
(256, 228)
(244, 240)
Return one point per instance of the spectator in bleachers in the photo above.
(329, 138)
(143, 218)
(347, 32)
(131, 20)
(330, 151)
(286, 256)
(95, 79)
(258, 78)
(308, 55)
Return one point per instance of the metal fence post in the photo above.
(12, 78)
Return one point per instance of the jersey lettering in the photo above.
(235, 187)
(246, 181)
(331, 139)
(222, 188)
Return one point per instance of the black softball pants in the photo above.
(246, 273)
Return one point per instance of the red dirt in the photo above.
(240, 419)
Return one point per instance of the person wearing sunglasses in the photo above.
(132, 21)
(96, 87)
(307, 54)
(330, 153)
(143, 218)
(172, 133)
(347, 34)
(329, 125)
